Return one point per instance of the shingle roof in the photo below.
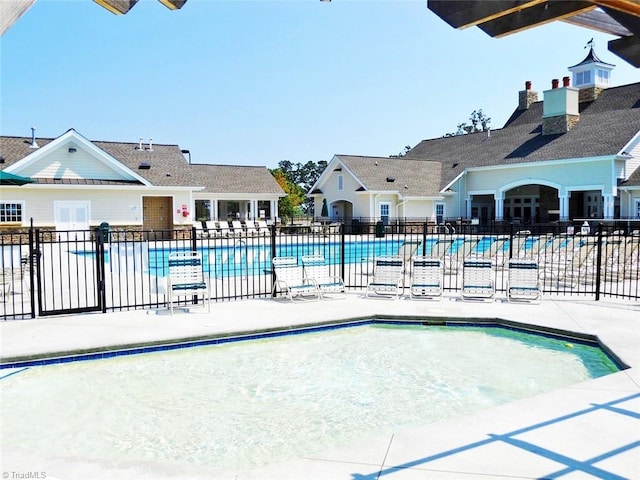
(421, 178)
(604, 128)
(168, 167)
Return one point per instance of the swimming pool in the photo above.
(244, 404)
(240, 257)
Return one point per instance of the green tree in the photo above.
(479, 123)
(296, 180)
(402, 153)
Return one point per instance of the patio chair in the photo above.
(523, 283)
(388, 276)
(263, 228)
(580, 266)
(291, 280)
(426, 278)
(333, 228)
(224, 229)
(238, 229)
(460, 249)
(187, 278)
(200, 233)
(316, 269)
(477, 280)
(251, 228)
(212, 229)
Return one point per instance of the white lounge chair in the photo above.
(388, 276)
(477, 280)
(200, 233)
(263, 228)
(251, 228)
(426, 278)
(212, 229)
(187, 278)
(523, 283)
(291, 280)
(224, 228)
(316, 269)
(238, 229)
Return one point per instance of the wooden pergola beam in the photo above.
(627, 48)
(469, 13)
(534, 16)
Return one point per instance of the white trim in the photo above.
(22, 217)
(529, 181)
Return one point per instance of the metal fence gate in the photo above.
(69, 272)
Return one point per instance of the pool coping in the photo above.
(110, 351)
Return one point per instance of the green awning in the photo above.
(7, 178)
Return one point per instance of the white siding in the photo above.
(116, 206)
(80, 165)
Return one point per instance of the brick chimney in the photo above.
(560, 110)
(526, 97)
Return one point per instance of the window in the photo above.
(603, 76)
(637, 212)
(203, 210)
(439, 213)
(340, 182)
(11, 212)
(583, 77)
(384, 212)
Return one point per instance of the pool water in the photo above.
(240, 405)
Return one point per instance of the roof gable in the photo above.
(69, 157)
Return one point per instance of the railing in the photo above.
(49, 273)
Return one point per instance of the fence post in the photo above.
(194, 244)
(342, 237)
(273, 254)
(32, 266)
(425, 225)
(598, 261)
(100, 270)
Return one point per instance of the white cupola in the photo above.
(591, 72)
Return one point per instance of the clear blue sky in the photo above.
(257, 82)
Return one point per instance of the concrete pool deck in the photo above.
(589, 430)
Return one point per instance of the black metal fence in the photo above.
(51, 273)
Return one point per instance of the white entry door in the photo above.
(71, 215)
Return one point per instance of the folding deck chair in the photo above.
(187, 278)
(426, 278)
(523, 283)
(388, 276)
(291, 280)
(316, 269)
(477, 280)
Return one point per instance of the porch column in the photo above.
(468, 205)
(499, 201)
(254, 209)
(564, 206)
(274, 209)
(214, 209)
(608, 207)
